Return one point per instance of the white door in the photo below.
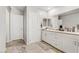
(34, 29)
(16, 27)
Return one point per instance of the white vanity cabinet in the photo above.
(77, 43)
(69, 43)
(65, 42)
(59, 41)
(43, 35)
(51, 38)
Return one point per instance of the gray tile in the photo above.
(19, 46)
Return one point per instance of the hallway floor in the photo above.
(18, 46)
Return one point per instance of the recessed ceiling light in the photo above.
(48, 8)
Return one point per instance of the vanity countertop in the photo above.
(64, 32)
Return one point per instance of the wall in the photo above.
(7, 24)
(16, 24)
(2, 29)
(70, 20)
(25, 25)
(43, 14)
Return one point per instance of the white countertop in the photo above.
(65, 32)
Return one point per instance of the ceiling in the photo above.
(51, 10)
(47, 8)
(71, 12)
(21, 8)
(43, 8)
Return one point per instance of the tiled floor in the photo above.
(18, 46)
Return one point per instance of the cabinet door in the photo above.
(66, 42)
(69, 43)
(44, 35)
(59, 40)
(51, 38)
(77, 43)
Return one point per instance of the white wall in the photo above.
(16, 11)
(7, 24)
(25, 25)
(43, 14)
(2, 28)
(16, 24)
(61, 10)
(70, 20)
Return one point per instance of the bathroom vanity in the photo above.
(66, 40)
(62, 40)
